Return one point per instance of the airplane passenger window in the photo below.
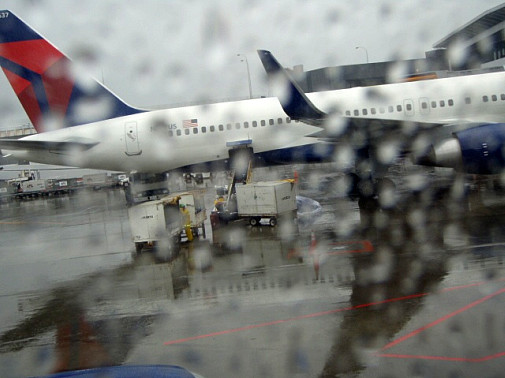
(485, 98)
(365, 112)
(442, 103)
(228, 126)
(263, 123)
(494, 98)
(221, 127)
(433, 104)
(195, 130)
(468, 100)
(347, 112)
(170, 133)
(398, 108)
(204, 129)
(502, 97)
(271, 122)
(288, 120)
(356, 112)
(450, 102)
(179, 132)
(246, 125)
(254, 124)
(237, 125)
(382, 110)
(391, 109)
(409, 107)
(212, 128)
(279, 120)
(373, 110)
(424, 105)
(186, 131)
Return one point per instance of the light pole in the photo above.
(248, 72)
(366, 51)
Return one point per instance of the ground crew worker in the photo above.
(186, 218)
(219, 203)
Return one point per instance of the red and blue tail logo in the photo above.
(45, 84)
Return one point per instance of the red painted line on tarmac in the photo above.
(301, 317)
(441, 320)
(442, 358)
(366, 247)
(357, 307)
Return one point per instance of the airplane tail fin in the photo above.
(50, 91)
(293, 100)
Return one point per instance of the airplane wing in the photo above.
(42, 145)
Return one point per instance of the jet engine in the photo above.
(477, 150)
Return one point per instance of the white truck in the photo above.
(33, 187)
(267, 199)
(156, 223)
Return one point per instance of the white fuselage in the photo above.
(157, 141)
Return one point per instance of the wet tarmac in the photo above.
(410, 287)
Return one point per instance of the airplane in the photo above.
(82, 123)
(471, 107)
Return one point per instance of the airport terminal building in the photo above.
(478, 45)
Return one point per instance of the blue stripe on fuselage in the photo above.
(314, 153)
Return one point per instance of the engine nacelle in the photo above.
(477, 150)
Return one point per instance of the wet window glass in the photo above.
(146, 231)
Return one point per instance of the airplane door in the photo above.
(131, 139)
(408, 106)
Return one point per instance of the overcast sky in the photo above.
(175, 52)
